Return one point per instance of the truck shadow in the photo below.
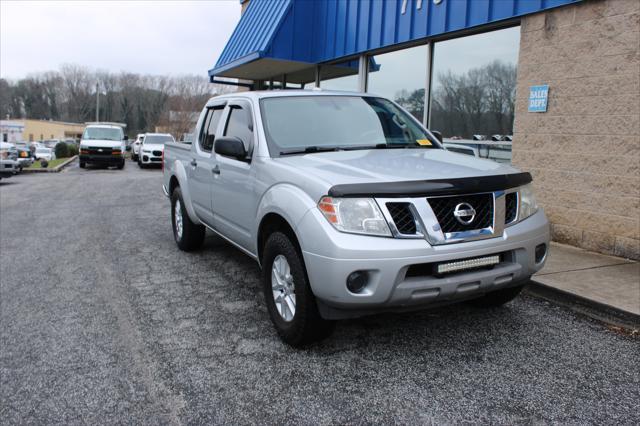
(463, 326)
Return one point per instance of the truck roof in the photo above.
(261, 94)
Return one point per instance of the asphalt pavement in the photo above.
(104, 320)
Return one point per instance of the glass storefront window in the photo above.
(341, 76)
(401, 76)
(473, 85)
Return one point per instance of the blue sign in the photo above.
(538, 96)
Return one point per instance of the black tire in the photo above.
(83, 164)
(192, 234)
(307, 325)
(134, 157)
(121, 165)
(498, 297)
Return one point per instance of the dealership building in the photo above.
(556, 83)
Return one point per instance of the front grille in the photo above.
(157, 153)
(99, 151)
(511, 207)
(443, 208)
(402, 217)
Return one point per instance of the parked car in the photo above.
(135, 146)
(8, 166)
(51, 143)
(152, 148)
(24, 157)
(351, 207)
(103, 143)
(45, 154)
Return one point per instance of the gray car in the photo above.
(351, 207)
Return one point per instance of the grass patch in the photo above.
(52, 164)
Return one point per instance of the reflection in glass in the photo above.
(341, 76)
(474, 83)
(401, 76)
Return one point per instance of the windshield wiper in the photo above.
(311, 149)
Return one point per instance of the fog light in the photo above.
(357, 281)
(541, 252)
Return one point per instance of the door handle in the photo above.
(194, 163)
(215, 170)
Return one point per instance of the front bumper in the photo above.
(101, 159)
(8, 168)
(399, 271)
(151, 157)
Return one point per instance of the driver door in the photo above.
(234, 182)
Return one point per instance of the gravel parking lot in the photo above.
(104, 320)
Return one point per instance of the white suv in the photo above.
(152, 148)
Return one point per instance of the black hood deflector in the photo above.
(429, 188)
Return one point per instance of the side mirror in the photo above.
(126, 138)
(438, 135)
(230, 146)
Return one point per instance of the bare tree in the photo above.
(480, 101)
(141, 101)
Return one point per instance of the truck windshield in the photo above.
(157, 139)
(301, 124)
(102, 133)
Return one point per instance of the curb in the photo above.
(56, 169)
(597, 310)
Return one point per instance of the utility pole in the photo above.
(97, 103)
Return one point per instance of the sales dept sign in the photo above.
(538, 96)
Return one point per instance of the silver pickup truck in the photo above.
(351, 207)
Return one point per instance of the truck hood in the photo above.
(391, 165)
(99, 143)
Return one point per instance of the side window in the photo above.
(208, 135)
(240, 125)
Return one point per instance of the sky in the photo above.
(147, 37)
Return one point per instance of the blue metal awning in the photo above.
(277, 37)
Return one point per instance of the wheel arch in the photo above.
(274, 222)
(179, 179)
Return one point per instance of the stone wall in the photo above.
(584, 152)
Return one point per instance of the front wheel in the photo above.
(187, 234)
(498, 297)
(290, 301)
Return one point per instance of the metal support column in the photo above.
(363, 73)
(317, 76)
(427, 88)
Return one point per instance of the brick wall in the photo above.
(584, 152)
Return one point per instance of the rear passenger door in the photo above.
(202, 164)
(234, 202)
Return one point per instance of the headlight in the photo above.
(355, 215)
(528, 204)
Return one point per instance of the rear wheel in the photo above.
(121, 165)
(83, 164)
(187, 234)
(290, 301)
(498, 297)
